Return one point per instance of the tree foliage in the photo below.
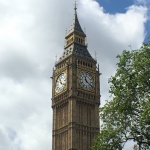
(127, 115)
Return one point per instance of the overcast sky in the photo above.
(32, 33)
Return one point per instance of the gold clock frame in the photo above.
(93, 76)
(65, 88)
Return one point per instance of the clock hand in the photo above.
(91, 85)
(60, 82)
(88, 82)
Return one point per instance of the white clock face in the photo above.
(86, 81)
(61, 82)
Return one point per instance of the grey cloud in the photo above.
(17, 66)
(27, 59)
(5, 141)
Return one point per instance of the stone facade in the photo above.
(75, 106)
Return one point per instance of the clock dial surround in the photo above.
(86, 80)
(61, 82)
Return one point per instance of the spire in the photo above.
(75, 43)
(75, 27)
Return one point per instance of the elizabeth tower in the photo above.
(75, 94)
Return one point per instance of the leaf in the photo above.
(128, 113)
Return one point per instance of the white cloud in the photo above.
(31, 35)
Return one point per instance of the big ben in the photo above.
(75, 94)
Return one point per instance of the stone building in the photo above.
(75, 94)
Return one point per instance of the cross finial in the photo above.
(84, 29)
(75, 7)
(95, 55)
(56, 59)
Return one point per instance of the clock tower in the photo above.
(75, 94)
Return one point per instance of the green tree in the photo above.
(127, 116)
